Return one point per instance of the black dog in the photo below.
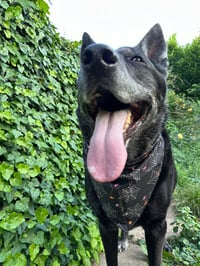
(130, 173)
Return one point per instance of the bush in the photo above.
(183, 125)
(44, 219)
(184, 131)
(185, 63)
(186, 244)
(189, 196)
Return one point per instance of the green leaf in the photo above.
(23, 168)
(6, 116)
(13, 12)
(4, 254)
(41, 214)
(31, 32)
(6, 170)
(4, 4)
(73, 263)
(17, 259)
(4, 186)
(35, 193)
(33, 250)
(16, 180)
(27, 4)
(12, 221)
(4, 52)
(38, 238)
(56, 263)
(76, 233)
(16, 133)
(31, 224)
(20, 68)
(55, 219)
(45, 197)
(35, 171)
(22, 204)
(94, 243)
(63, 249)
(93, 230)
(59, 195)
(43, 6)
(2, 149)
(40, 260)
(7, 34)
(33, 237)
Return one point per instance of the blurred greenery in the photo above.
(183, 125)
(185, 65)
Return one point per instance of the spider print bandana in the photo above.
(125, 199)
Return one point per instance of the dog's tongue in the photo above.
(107, 153)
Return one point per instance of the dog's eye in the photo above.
(137, 58)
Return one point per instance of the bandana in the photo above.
(125, 199)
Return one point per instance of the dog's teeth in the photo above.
(95, 96)
(136, 105)
(128, 121)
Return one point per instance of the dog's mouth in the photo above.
(136, 112)
(115, 123)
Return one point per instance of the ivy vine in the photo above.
(44, 219)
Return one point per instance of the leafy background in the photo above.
(183, 126)
(44, 217)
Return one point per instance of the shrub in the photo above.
(186, 244)
(184, 121)
(44, 219)
(185, 63)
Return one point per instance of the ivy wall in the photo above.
(44, 218)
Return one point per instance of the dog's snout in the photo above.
(99, 54)
(109, 57)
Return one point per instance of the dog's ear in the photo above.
(154, 47)
(86, 40)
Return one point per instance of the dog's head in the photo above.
(122, 106)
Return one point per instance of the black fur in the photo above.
(120, 78)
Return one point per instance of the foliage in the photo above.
(183, 126)
(186, 244)
(189, 196)
(185, 64)
(44, 219)
(184, 121)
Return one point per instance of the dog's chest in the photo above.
(125, 199)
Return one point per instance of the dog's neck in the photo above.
(125, 199)
(132, 164)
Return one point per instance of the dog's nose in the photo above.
(99, 54)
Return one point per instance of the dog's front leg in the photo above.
(109, 236)
(155, 240)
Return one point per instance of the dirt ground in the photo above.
(133, 256)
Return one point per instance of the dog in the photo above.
(129, 169)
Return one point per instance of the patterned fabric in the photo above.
(125, 199)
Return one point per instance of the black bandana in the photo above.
(125, 199)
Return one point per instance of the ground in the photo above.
(134, 255)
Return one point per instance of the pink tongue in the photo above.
(107, 154)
